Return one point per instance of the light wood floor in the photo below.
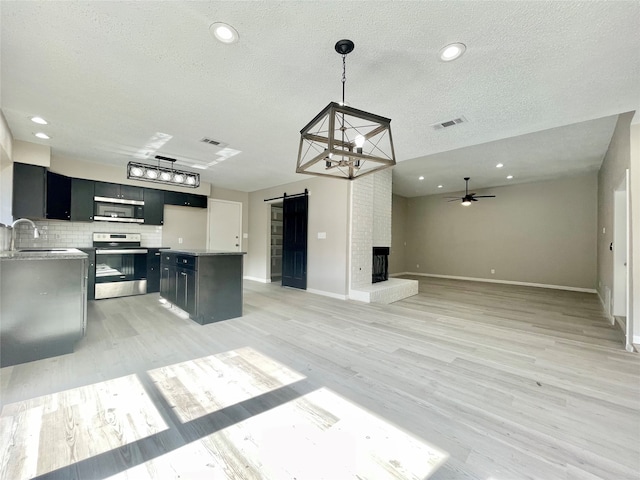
(498, 382)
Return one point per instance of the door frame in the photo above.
(209, 209)
(621, 292)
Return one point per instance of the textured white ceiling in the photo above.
(110, 75)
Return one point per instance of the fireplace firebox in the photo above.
(380, 268)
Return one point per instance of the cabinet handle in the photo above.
(184, 274)
(157, 254)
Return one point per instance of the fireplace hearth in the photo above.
(380, 267)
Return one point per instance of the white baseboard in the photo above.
(507, 282)
(611, 318)
(327, 294)
(257, 279)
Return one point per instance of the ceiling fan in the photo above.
(469, 197)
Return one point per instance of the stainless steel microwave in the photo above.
(118, 210)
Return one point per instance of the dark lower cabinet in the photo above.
(186, 290)
(206, 286)
(153, 270)
(168, 277)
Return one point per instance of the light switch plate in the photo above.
(322, 235)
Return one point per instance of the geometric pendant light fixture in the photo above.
(344, 142)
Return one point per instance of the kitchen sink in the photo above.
(43, 250)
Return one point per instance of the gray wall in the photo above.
(543, 232)
(398, 235)
(186, 223)
(327, 259)
(612, 171)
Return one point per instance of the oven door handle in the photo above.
(109, 251)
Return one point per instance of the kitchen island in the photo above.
(207, 284)
(43, 303)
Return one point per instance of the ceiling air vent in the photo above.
(213, 142)
(448, 123)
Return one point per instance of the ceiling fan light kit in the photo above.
(469, 197)
(344, 142)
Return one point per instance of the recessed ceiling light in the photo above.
(500, 165)
(223, 32)
(39, 120)
(42, 135)
(509, 177)
(439, 186)
(420, 177)
(451, 51)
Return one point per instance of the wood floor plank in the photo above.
(511, 382)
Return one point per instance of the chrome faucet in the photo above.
(36, 233)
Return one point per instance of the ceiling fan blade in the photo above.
(472, 194)
(454, 200)
(473, 199)
(485, 196)
(452, 197)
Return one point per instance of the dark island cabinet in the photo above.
(82, 192)
(153, 270)
(153, 206)
(58, 206)
(208, 286)
(185, 199)
(29, 191)
(91, 272)
(115, 190)
(168, 277)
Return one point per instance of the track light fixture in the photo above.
(162, 174)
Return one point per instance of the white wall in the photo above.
(31, 153)
(611, 174)
(77, 168)
(543, 233)
(6, 171)
(328, 213)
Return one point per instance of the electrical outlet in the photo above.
(179, 239)
(417, 266)
(493, 271)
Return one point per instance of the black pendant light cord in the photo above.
(344, 74)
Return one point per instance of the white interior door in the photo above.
(225, 226)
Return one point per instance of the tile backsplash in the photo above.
(58, 233)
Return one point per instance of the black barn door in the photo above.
(294, 242)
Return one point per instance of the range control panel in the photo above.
(117, 237)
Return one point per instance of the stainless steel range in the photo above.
(121, 265)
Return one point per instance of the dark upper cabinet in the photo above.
(153, 206)
(131, 193)
(114, 190)
(58, 206)
(185, 199)
(29, 191)
(82, 192)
